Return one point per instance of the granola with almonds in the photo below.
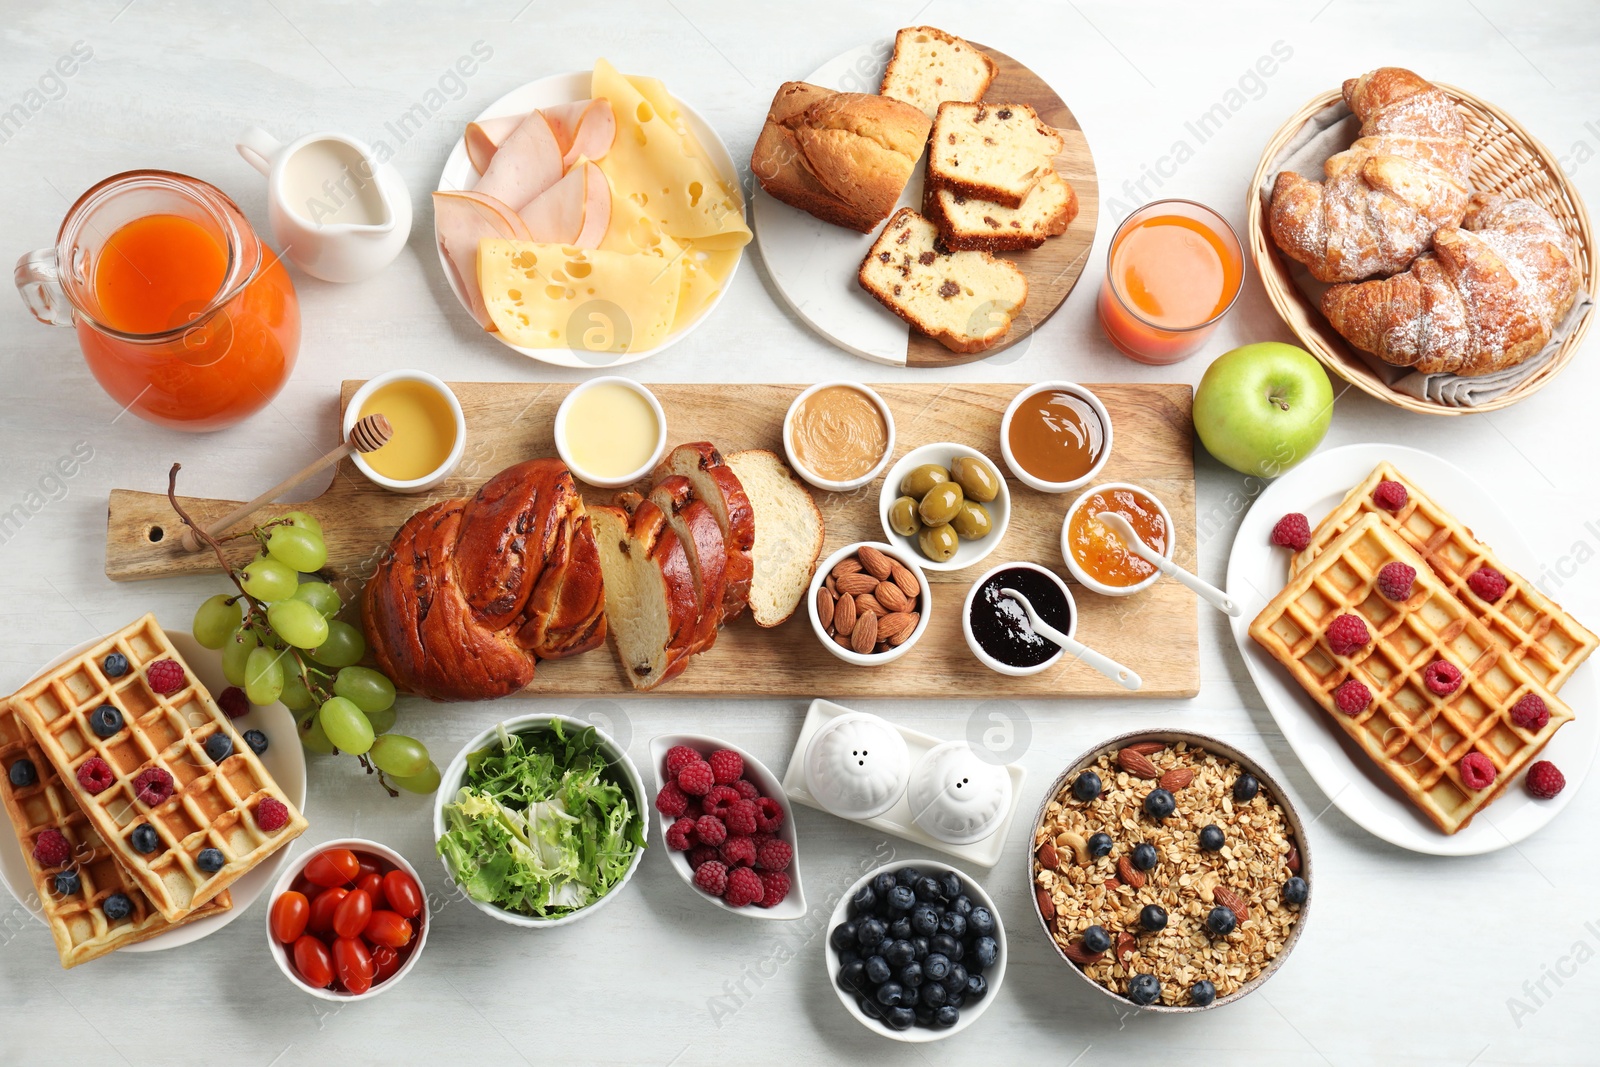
(1249, 871)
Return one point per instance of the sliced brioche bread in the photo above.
(715, 483)
(788, 534)
(963, 300)
(966, 223)
(930, 66)
(701, 538)
(990, 151)
(651, 609)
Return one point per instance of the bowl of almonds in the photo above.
(1170, 871)
(869, 603)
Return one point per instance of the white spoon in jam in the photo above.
(1120, 526)
(1107, 666)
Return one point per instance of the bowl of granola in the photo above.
(1170, 871)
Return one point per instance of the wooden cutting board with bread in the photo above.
(769, 649)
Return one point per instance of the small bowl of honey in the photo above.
(1056, 437)
(611, 431)
(838, 435)
(430, 431)
(1097, 558)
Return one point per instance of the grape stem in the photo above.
(255, 613)
(367, 763)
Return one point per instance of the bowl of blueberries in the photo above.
(916, 952)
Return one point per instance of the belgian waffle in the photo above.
(1549, 642)
(77, 921)
(1417, 737)
(211, 805)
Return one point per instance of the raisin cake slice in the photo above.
(967, 223)
(963, 300)
(994, 152)
(930, 66)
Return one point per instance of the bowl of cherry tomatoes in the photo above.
(348, 920)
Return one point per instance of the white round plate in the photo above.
(284, 759)
(1257, 570)
(458, 174)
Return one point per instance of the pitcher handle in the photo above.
(38, 278)
(257, 146)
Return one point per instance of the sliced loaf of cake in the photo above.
(963, 300)
(715, 483)
(990, 151)
(930, 66)
(967, 223)
(651, 608)
(788, 534)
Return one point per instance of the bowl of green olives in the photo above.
(947, 503)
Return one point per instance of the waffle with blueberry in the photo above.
(1549, 642)
(1409, 672)
(163, 779)
(89, 902)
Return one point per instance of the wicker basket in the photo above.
(1509, 161)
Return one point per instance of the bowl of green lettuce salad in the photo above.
(540, 820)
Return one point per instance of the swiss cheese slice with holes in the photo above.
(658, 164)
(704, 271)
(592, 300)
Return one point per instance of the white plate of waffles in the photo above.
(1258, 570)
(284, 760)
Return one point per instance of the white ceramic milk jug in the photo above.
(336, 211)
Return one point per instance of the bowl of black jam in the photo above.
(997, 629)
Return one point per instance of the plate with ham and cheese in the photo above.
(589, 219)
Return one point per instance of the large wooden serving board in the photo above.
(1155, 632)
(813, 264)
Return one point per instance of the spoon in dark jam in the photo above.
(1107, 666)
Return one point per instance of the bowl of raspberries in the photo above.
(728, 827)
(916, 951)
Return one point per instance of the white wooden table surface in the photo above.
(1408, 958)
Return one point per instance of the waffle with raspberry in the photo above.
(1549, 642)
(1442, 690)
(153, 770)
(73, 905)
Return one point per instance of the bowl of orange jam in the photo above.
(1097, 558)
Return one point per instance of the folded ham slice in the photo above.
(461, 220)
(526, 164)
(574, 211)
(483, 138)
(583, 129)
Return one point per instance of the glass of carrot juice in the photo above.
(1174, 269)
(183, 314)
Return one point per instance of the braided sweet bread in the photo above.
(471, 594)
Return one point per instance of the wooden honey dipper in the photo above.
(368, 435)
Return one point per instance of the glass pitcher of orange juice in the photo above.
(184, 316)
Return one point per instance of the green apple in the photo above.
(1263, 408)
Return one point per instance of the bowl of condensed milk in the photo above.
(839, 435)
(611, 432)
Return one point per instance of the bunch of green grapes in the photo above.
(280, 641)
